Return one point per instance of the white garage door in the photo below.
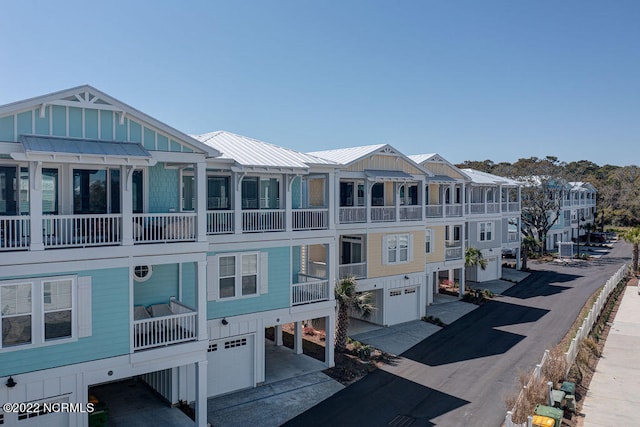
(489, 273)
(231, 365)
(42, 418)
(402, 305)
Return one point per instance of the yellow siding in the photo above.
(374, 256)
(388, 193)
(437, 244)
(316, 192)
(317, 253)
(382, 162)
(443, 169)
(434, 194)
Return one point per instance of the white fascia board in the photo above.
(87, 159)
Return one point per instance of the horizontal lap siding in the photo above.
(277, 297)
(374, 259)
(110, 329)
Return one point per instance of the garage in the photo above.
(41, 417)
(489, 273)
(231, 364)
(402, 305)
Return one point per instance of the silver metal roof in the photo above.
(52, 144)
(421, 158)
(253, 152)
(345, 156)
(442, 178)
(479, 177)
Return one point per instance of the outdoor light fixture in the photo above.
(406, 277)
(225, 321)
(11, 382)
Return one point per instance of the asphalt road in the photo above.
(461, 375)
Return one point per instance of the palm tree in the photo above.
(473, 257)
(349, 299)
(633, 236)
(529, 244)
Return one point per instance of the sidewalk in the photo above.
(613, 398)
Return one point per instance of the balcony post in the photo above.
(396, 198)
(367, 200)
(126, 204)
(35, 205)
(297, 335)
(288, 211)
(201, 201)
(333, 203)
(201, 393)
(201, 300)
(330, 326)
(237, 202)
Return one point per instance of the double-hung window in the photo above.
(41, 311)
(428, 244)
(238, 275)
(485, 230)
(397, 249)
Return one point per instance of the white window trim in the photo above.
(38, 315)
(213, 276)
(491, 230)
(385, 249)
(428, 238)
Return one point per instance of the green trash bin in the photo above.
(551, 412)
(568, 387)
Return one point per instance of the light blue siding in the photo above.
(42, 123)
(149, 139)
(296, 192)
(110, 329)
(189, 284)
(90, 123)
(25, 124)
(163, 143)
(163, 189)
(162, 285)
(7, 129)
(296, 263)
(106, 125)
(59, 122)
(135, 132)
(75, 122)
(186, 149)
(277, 296)
(175, 146)
(121, 130)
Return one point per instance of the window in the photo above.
(188, 193)
(238, 275)
(352, 250)
(427, 240)
(377, 194)
(486, 231)
(142, 273)
(409, 194)
(260, 193)
(397, 249)
(38, 311)
(218, 193)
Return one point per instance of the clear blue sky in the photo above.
(470, 80)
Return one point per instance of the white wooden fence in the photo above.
(582, 333)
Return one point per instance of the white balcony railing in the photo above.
(410, 213)
(383, 213)
(14, 233)
(310, 219)
(453, 251)
(493, 207)
(165, 330)
(433, 211)
(476, 208)
(63, 231)
(454, 210)
(219, 222)
(357, 270)
(350, 214)
(309, 292)
(259, 220)
(164, 227)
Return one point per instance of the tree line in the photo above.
(618, 187)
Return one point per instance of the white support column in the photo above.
(35, 205)
(200, 177)
(332, 202)
(396, 198)
(332, 267)
(330, 328)
(297, 335)
(367, 198)
(277, 335)
(201, 393)
(288, 211)
(237, 202)
(201, 299)
(126, 204)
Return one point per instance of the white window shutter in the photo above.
(84, 307)
(212, 278)
(385, 249)
(410, 248)
(264, 272)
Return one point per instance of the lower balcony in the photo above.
(453, 250)
(355, 270)
(310, 290)
(160, 325)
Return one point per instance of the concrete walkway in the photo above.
(613, 398)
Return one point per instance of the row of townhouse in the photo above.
(577, 202)
(130, 249)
